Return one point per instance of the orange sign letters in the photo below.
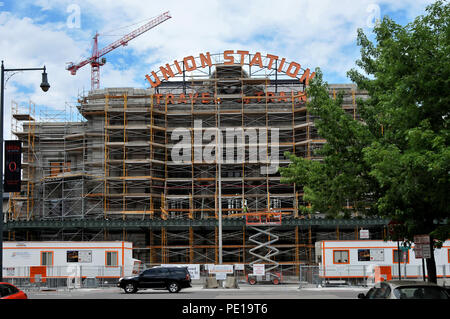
(230, 57)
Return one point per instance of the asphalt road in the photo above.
(245, 291)
(281, 301)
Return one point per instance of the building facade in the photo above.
(144, 165)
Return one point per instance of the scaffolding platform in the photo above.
(114, 162)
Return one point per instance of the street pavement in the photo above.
(245, 291)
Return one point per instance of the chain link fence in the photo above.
(68, 277)
(367, 275)
(74, 277)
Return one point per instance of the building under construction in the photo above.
(143, 165)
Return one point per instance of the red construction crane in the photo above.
(95, 60)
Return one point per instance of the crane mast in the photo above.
(95, 60)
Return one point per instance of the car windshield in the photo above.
(380, 291)
(421, 292)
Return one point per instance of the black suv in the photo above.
(171, 278)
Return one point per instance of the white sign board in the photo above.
(364, 234)
(422, 251)
(221, 276)
(259, 269)
(377, 254)
(85, 256)
(422, 247)
(194, 269)
(239, 266)
(209, 266)
(215, 269)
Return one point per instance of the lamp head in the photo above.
(44, 85)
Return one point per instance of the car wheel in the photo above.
(252, 281)
(275, 281)
(173, 287)
(130, 288)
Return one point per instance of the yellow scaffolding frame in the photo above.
(16, 201)
(117, 187)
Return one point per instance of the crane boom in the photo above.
(96, 54)
(130, 36)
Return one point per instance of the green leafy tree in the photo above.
(340, 183)
(395, 162)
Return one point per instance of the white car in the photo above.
(404, 289)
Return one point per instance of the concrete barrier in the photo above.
(231, 282)
(211, 282)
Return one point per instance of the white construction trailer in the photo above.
(352, 261)
(43, 261)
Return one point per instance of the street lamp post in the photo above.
(44, 86)
(219, 156)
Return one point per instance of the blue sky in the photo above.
(313, 33)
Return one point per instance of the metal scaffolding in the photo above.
(115, 163)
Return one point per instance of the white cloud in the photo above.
(313, 33)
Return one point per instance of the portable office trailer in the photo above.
(68, 259)
(354, 261)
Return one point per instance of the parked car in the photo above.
(172, 278)
(403, 289)
(8, 291)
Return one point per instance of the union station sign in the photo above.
(230, 57)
